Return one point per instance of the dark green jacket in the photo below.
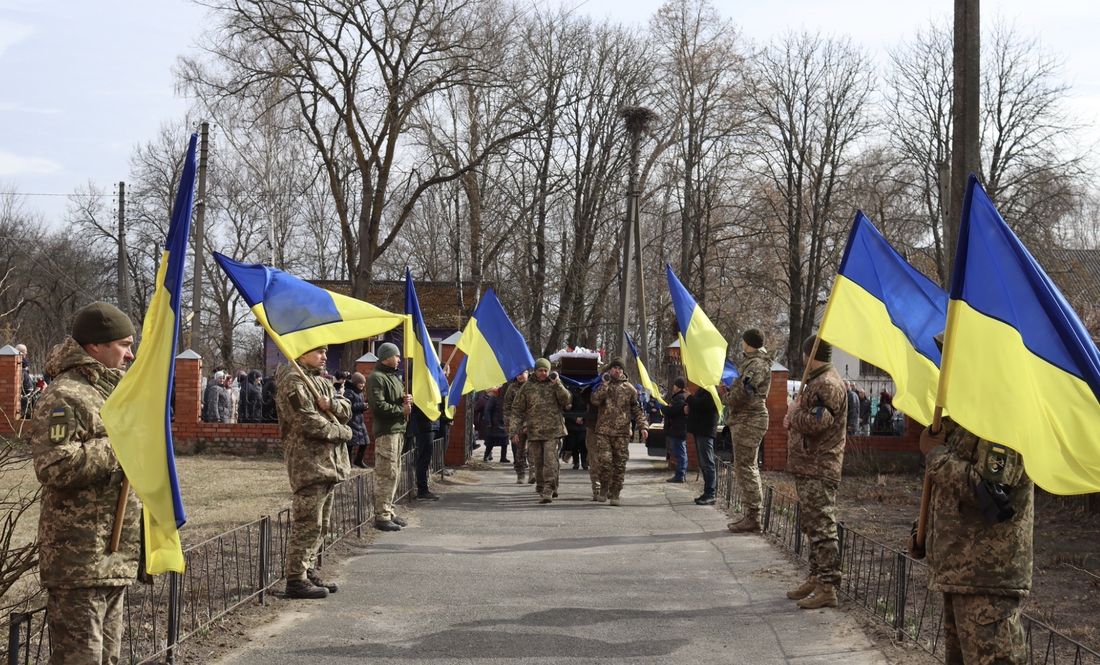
(385, 394)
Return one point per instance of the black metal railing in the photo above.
(888, 584)
(222, 573)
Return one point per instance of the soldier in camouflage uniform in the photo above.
(747, 419)
(979, 543)
(816, 424)
(390, 408)
(591, 417)
(315, 448)
(81, 480)
(617, 401)
(538, 405)
(518, 437)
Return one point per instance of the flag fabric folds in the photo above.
(495, 351)
(300, 316)
(885, 312)
(643, 375)
(429, 383)
(702, 347)
(137, 415)
(1019, 368)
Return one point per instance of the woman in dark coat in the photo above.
(250, 409)
(268, 413)
(357, 446)
(883, 424)
(495, 433)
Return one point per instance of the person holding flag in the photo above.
(747, 419)
(82, 482)
(313, 423)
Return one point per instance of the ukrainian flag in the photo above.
(300, 316)
(138, 414)
(1019, 368)
(429, 383)
(885, 312)
(495, 351)
(702, 347)
(643, 375)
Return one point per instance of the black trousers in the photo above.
(424, 444)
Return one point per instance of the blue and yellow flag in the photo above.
(495, 351)
(885, 312)
(643, 375)
(1019, 368)
(702, 347)
(138, 414)
(429, 383)
(300, 316)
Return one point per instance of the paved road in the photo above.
(487, 575)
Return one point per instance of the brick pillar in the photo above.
(11, 380)
(456, 452)
(188, 386)
(775, 439)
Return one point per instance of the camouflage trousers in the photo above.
(387, 467)
(310, 516)
(613, 453)
(818, 500)
(746, 446)
(519, 455)
(544, 459)
(85, 625)
(983, 630)
(590, 441)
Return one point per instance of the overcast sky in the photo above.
(82, 82)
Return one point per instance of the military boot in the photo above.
(824, 596)
(798, 593)
(602, 497)
(316, 580)
(531, 478)
(305, 589)
(750, 523)
(614, 500)
(519, 479)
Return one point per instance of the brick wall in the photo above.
(11, 379)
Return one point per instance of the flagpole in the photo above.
(817, 340)
(120, 514)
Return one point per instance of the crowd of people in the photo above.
(979, 544)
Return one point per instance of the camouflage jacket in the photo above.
(313, 445)
(81, 478)
(539, 405)
(510, 390)
(384, 394)
(966, 555)
(815, 441)
(617, 402)
(747, 396)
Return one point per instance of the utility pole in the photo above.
(965, 108)
(123, 272)
(637, 120)
(197, 228)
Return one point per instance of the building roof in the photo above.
(1075, 271)
(439, 303)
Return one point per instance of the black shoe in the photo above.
(399, 521)
(305, 589)
(505, 461)
(706, 500)
(576, 467)
(487, 458)
(674, 479)
(426, 496)
(585, 467)
(388, 525)
(360, 464)
(316, 580)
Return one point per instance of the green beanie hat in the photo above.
(387, 350)
(101, 322)
(617, 362)
(754, 337)
(542, 362)
(824, 349)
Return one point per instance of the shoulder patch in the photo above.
(295, 399)
(60, 424)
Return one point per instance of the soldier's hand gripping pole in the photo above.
(312, 388)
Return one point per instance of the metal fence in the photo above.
(221, 574)
(888, 584)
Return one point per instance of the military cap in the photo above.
(824, 349)
(543, 363)
(101, 322)
(617, 362)
(754, 337)
(387, 350)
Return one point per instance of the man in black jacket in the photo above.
(676, 429)
(702, 424)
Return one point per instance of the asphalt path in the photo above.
(488, 575)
